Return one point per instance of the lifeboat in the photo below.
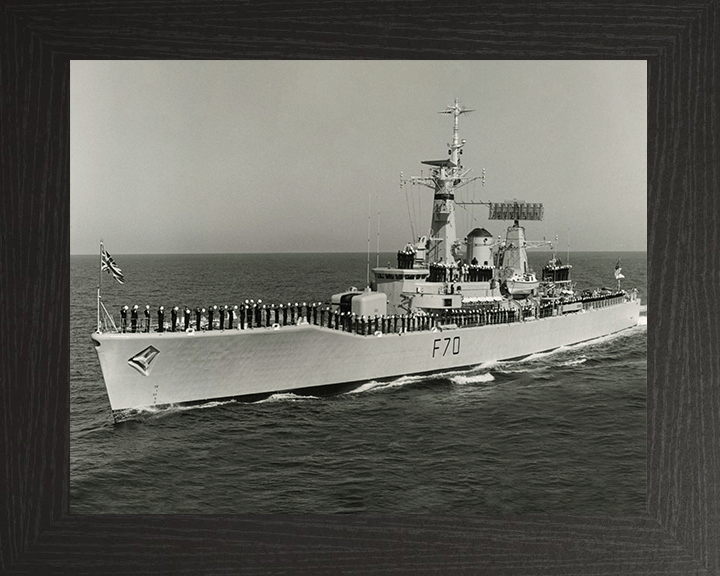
(522, 284)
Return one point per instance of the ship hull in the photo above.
(160, 368)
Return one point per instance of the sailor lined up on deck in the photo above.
(249, 315)
(123, 315)
(211, 311)
(134, 318)
(231, 312)
(406, 257)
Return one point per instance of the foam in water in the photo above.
(472, 378)
(285, 396)
(367, 386)
(456, 376)
(575, 362)
(142, 412)
(375, 385)
(208, 404)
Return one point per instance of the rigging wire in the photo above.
(412, 226)
(418, 216)
(377, 253)
(472, 208)
(367, 276)
(568, 248)
(415, 211)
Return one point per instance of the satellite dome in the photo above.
(480, 232)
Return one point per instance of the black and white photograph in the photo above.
(348, 287)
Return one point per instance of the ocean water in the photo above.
(561, 432)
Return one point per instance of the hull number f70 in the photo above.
(445, 346)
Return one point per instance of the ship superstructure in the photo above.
(447, 303)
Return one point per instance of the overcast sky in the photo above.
(291, 156)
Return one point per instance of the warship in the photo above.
(449, 303)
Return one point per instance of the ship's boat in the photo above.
(522, 284)
(448, 303)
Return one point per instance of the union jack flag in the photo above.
(109, 264)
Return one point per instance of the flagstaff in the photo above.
(100, 268)
(106, 263)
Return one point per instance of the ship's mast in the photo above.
(446, 176)
(455, 147)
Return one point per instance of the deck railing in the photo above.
(275, 317)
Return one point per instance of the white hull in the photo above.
(232, 363)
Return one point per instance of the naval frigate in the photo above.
(448, 303)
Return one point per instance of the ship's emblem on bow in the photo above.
(141, 361)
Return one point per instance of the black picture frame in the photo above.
(681, 531)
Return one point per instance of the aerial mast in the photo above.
(456, 145)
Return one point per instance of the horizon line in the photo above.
(291, 252)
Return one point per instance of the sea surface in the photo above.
(560, 432)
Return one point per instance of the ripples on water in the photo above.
(558, 432)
